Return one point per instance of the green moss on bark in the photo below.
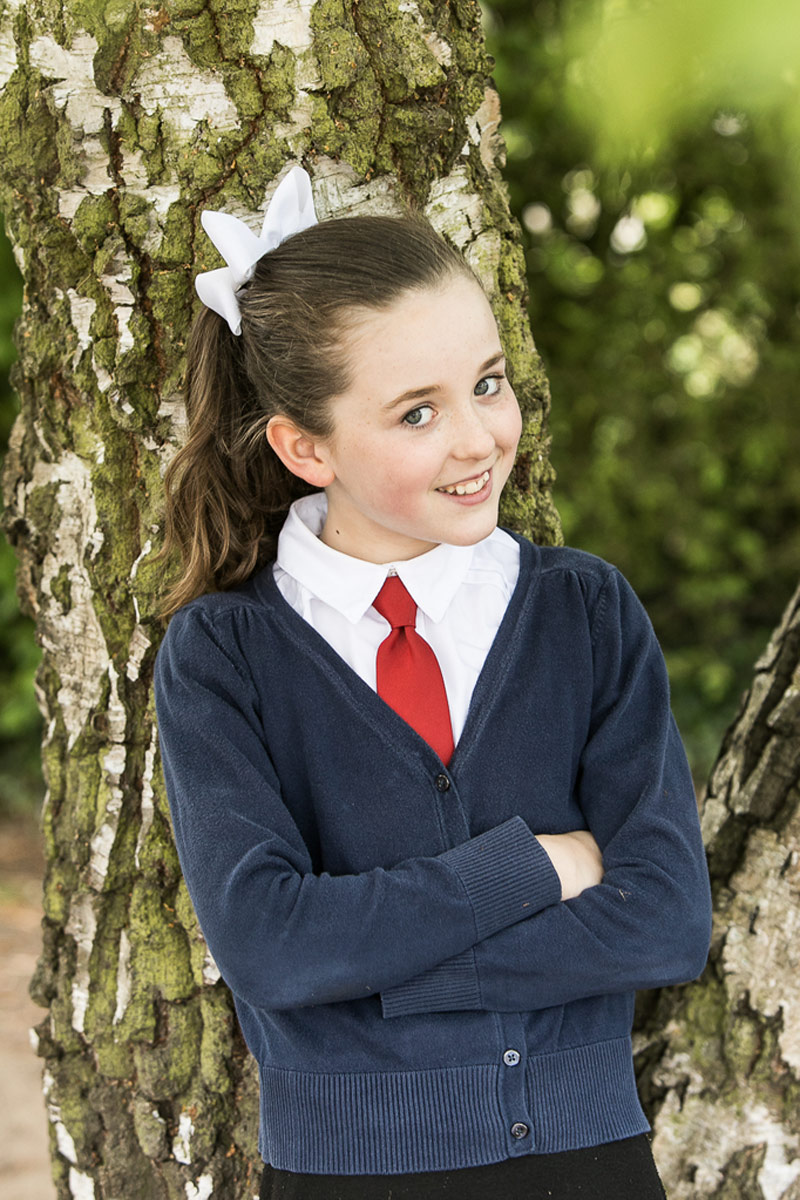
(340, 52)
(27, 133)
(401, 58)
(198, 950)
(151, 1128)
(217, 1043)
(41, 506)
(177, 245)
(74, 1082)
(93, 222)
(706, 1020)
(165, 1068)
(159, 945)
(114, 1059)
(77, 820)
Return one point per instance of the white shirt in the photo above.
(461, 593)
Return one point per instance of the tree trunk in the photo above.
(118, 122)
(720, 1059)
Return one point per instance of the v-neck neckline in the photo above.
(489, 680)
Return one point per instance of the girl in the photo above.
(396, 740)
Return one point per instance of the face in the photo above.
(425, 437)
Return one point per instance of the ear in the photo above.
(298, 452)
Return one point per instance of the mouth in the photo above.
(467, 487)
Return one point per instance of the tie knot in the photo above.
(395, 604)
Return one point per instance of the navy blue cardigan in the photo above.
(415, 992)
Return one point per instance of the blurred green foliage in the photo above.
(665, 293)
(21, 785)
(641, 73)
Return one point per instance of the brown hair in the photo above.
(227, 492)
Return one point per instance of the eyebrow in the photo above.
(419, 393)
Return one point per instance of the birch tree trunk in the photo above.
(118, 122)
(721, 1058)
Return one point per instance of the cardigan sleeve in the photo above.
(648, 923)
(281, 935)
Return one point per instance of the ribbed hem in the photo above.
(584, 1096)
(390, 1123)
(447, 988)
(507, 874)
(381, 1123)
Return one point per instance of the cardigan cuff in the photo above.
(507, 875)
(450, 987)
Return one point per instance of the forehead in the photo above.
(425, 327)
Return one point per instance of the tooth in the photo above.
(467, 489)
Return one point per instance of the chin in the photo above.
(469, 537)
(472, 541)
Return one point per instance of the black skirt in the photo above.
(621, 1170)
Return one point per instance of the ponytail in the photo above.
(227, 494)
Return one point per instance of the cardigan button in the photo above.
(442, 783)
(518, 1130)
(511, 1058)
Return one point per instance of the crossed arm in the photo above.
(576, 859)
(646, 922)
(506, 921)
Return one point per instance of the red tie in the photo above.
(408, 675)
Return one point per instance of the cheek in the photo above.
(411, 466)
(512, 426)
(401, 490)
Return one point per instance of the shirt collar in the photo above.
(350, 584)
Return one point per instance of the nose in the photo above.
(473, 439)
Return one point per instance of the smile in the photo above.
(466, 489)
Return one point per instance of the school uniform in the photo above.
(419, 999)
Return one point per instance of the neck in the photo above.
(380, 549)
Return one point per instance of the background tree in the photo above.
(117, 125)
(720, 1059)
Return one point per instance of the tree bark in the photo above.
(720, 1059)
(118, 123)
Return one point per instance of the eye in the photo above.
(489, 386)
(417, 416)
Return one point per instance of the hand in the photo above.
(577, 859)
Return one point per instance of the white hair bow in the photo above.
(290, 210)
